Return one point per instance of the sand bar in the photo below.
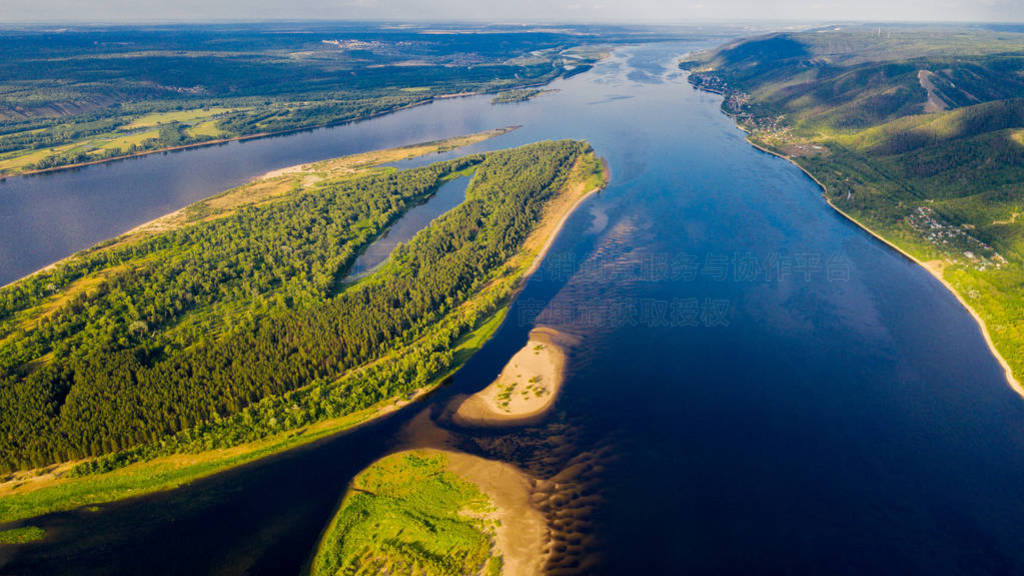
(525, 390)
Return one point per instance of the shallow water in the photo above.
(759, 385)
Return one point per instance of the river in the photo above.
(759, 387)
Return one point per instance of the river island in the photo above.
(334, 382)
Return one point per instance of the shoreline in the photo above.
(454, 142)
(1011, 380)
(484, 415)
(522, 530)
(240, 138)
(606, 174)
(226, 459)
(217, 460)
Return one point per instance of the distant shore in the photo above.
(244, 137)
(240, 138)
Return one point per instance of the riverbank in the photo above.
(486, 408)
(580, 188)
(735, 104)
(935, 270)
(522, 531)
(36, 492)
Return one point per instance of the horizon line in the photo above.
(503, 22)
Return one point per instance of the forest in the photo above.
(161, 344)
(916, 133)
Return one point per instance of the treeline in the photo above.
(278, 118)
(29, 137)
(192, 326)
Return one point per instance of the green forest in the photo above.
(233, 327)
(916, 133)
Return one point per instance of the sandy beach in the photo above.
(522, 531)
(564, 207)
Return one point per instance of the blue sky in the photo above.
(665, 11)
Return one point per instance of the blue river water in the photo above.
(759, 386)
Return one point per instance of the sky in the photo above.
(583, 11)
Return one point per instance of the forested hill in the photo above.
(918, 133)
(854, 78)
(179, 330)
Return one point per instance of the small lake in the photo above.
(759, 386)
(448, 196)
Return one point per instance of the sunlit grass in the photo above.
(408, 514)
(23, 535)
(184, 116)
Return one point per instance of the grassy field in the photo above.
(913, 132)
(138, 134)
(205, 129)
(186, 116)
(409, 514)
